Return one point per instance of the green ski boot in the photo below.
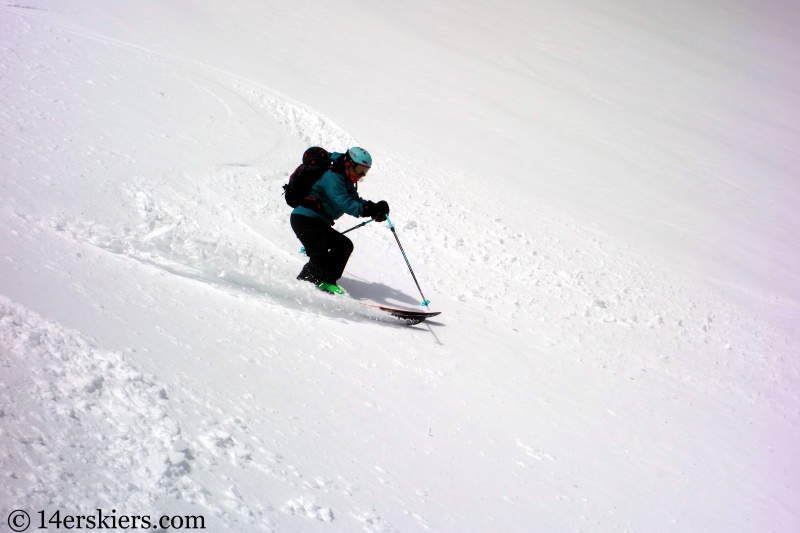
(330, 287)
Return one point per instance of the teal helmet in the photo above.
(359, 156)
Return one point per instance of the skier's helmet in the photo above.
(359, 156)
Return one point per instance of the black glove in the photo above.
(383, 209)
(377, 211)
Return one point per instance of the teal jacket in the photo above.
(336, 195)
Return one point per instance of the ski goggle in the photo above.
(361, 170)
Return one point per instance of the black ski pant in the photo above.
(327, 249)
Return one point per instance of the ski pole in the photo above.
(303, 249)
(358, 226)
(425, 302)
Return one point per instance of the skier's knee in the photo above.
(347, 246)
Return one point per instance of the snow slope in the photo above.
(159, 357)
(669, 124)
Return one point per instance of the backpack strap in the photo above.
(338, 165)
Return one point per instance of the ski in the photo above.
(409, 316)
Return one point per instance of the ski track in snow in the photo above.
(83, 428)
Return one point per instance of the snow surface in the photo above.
(600, 197)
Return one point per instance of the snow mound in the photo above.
(83, 429)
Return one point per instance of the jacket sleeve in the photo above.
(350, 203)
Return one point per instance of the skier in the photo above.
(335, 193)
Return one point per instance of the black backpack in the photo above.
(316, 161)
